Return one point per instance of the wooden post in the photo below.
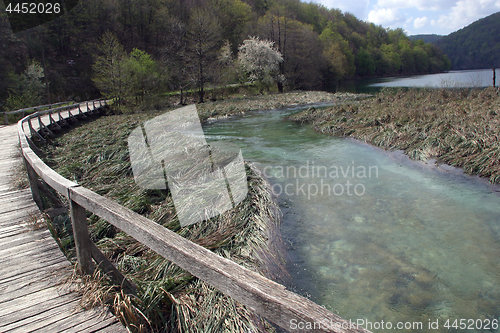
(494, 78)
(33, 184)
(6, 118)
(82, 240)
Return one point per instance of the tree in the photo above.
(28, 90)
(365, 66)
(259, 60)
(338, 54)
(110, 74)
(143, 73)
(204, 41)
(175, 57)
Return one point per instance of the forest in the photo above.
(476, 46)
(143, 48)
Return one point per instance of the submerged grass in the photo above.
(459, 127)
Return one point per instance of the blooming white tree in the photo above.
(260, 60)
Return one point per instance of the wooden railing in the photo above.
(259, 294)
(34, 109)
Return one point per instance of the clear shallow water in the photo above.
(408, 242)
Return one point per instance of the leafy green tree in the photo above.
(143, 73)
(338, 54)
(29, 88)
(365, 66)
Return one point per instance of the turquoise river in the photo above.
(374, 236)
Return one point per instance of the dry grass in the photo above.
(36, 220)
(223, 109)
(459, 127)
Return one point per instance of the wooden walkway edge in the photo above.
(31, 298)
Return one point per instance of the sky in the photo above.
(440, 17)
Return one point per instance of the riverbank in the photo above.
(459, 127)
(212, 111)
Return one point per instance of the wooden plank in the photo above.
(16, 206)
(33, 267)
(109, 320)
(26, 287)
(24, 302)
(30, 324)
(29, 253)
(48, 270)
(87, 318)
(14, 192)
(34, 310)
(26, 238)
(262, 296)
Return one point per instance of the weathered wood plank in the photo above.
(24, 302)
(89, 319)
(16, 206)
(35, 309)
(33, 267)
(26, 287)
(48, 270)
(108, 321)
(27, 254)
(25, 238)
(29, 324)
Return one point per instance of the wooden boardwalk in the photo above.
(31, 297)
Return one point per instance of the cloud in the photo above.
(432, 5)
(357, 7)
(420, 22)
(466, 11)
(385, 16)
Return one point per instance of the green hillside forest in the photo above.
(476, 46)
(169, 45)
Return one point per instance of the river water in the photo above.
(372, 235)
(452, 79)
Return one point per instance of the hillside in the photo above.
(475, 46)
(426, 38)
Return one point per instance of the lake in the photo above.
(372, 235)
(452, 79)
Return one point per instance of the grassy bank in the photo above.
(459, 127)
(95, 155)
(221, 109)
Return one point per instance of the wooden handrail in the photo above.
(35, 108)
(261, 295)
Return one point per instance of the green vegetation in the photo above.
(476, 46)
(138, 49)
(457, 127)
(426, 38)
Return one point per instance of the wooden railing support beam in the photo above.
(81, 236)
(110, 269)
(32, 177)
